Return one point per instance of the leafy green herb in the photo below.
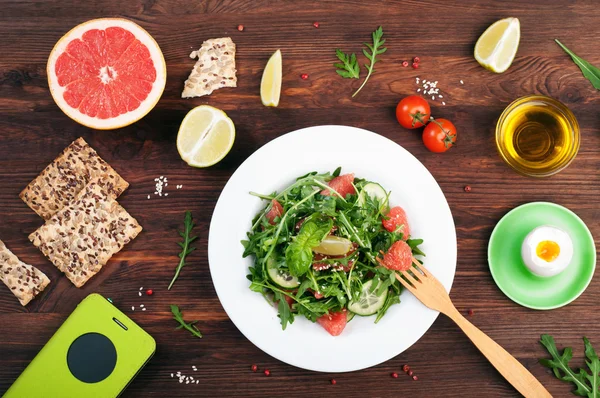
(191, 327)
(589, 71)
(376, 49)
(285, 312)
(188, 224)
(586, 384)
(287, 245)
(349, 68)
(298, 254)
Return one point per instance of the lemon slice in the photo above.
(270, 85)
(497, 46)
(205, 136)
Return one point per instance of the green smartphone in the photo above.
(96, 352)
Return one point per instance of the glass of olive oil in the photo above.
(537, 136)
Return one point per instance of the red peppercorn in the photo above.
(333, 382)
(316, 25)
(149, 292)
(405, 368)
(405, 63)
(416, 60)
(410, 372)
(304, 76)
(394, 375)
(467, 188)
(415, 65)
(267, 372)
(240, 28)
(254, 368)
(415, 378)
(471, 312)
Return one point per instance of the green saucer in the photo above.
(512, 276)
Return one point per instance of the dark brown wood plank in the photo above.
(33, 131)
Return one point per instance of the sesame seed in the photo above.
(461, 82)
(143, 309)
(141, 288)
(171, 375)
(132, 308)
(197, 381)
(140, 294)
(443, 103)
(167, 194)
(141, 305)
(432, 98)
(148, 196)
(418, 91)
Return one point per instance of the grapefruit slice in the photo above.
(106, 73)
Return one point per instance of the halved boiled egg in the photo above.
(547, 250)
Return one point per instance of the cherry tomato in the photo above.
(439, 135)
(413, 112)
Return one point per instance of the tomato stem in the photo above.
(448, 139)
(418, 117)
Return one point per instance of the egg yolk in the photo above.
(547, 250)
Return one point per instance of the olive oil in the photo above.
(537, 136)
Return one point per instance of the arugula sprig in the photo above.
(191, 327)
(186, 234)
(349, 68)
(376, 49)
(586, 384)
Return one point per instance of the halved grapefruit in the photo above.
(106, 73)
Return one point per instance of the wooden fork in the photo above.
(431, 293)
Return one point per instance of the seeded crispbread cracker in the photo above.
(24, 280)
(214, 69)
(83, 236)
(60, 182)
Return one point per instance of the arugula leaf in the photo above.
(593, 364)
(285, 313)
(560, 366)
(349, 68)
(391, 299)
(376, 49)
(298, 255)
(186, 234)
(414, 245)
(191, 327)
(589, 71)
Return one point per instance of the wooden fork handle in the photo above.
(512, 370)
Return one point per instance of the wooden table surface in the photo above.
(442, 33)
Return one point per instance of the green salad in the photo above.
(327, 248)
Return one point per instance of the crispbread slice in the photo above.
(24, 280)
(214, 69)
(84, 235)
(60, 182)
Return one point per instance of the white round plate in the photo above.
(275, 166)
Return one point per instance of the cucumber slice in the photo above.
(368, 303)
(349, 315)
(281, 276)
(375, 191)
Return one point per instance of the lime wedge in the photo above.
(497, 46)
(270, 85)
(205, 136)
